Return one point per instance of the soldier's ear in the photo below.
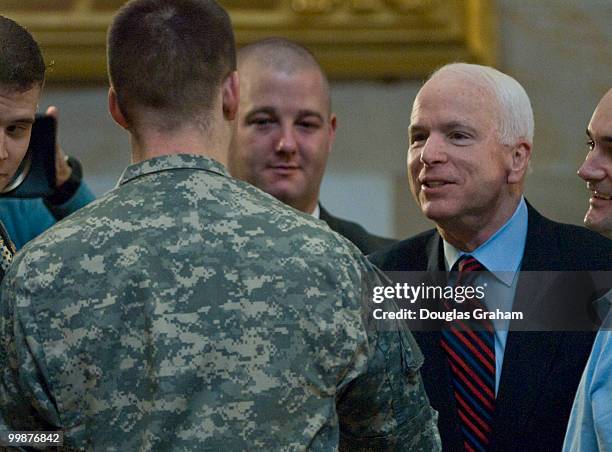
(231, 95)
(115, 110)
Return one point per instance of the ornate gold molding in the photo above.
(379, 39)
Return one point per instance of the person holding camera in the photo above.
(22, 74)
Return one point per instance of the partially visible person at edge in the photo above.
(285, 131)
(22, 73)
(590, 424)
(188, 310)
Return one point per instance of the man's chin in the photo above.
(437, 213)
(284, 194)
(4, 181)
(599, 222)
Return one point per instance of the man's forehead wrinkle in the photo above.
(443, 117)
(299, 95)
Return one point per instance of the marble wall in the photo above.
(561, 51)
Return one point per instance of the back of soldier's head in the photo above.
(168, 58)
(21, 63)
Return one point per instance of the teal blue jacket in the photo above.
(25, 219)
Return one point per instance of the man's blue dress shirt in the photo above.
(501, 255)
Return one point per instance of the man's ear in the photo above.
(115, 110)
(333, 123)
(231, 96)
(519, 162)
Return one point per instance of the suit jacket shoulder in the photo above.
(412, 254)
(550, 246)
(365, 241)
(554, 246)
(528, 400)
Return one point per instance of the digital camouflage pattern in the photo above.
(186, 310)
(7, 251)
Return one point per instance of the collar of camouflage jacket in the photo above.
(170, 162)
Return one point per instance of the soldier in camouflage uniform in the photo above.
(187, 310)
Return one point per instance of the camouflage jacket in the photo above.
(7, 251)
(187, 310)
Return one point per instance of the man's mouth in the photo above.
(600, 195)
(431, 184)
(434, 184)
(284, 169)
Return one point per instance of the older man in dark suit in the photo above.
(470, 144)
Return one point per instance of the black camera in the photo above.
(35, 177)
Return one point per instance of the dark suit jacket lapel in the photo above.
(528, 356)
(435, 370)
(435, 253)
(331, 221)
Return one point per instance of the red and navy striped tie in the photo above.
(470, 349)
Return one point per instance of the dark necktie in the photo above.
(470, 350)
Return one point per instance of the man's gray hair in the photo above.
(516, 114)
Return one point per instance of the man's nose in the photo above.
(432, 151)
(592, 168)
(287, 141)
(3, 145)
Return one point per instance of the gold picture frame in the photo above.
(353, 39)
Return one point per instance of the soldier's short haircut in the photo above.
(282, 55)
(21, 63)
(169, 58)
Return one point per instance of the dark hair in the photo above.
(170, 57)
(21, 63)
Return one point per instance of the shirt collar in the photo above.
(503, 252)
(169, 162)
(316, 212)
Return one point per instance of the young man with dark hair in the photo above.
(187, 310)
(590, 425)
(22, 75)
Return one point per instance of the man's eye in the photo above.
(417, 138)
(16, 130)
(261, 121)
(590, 145)
(308, 125)
(458, 136)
